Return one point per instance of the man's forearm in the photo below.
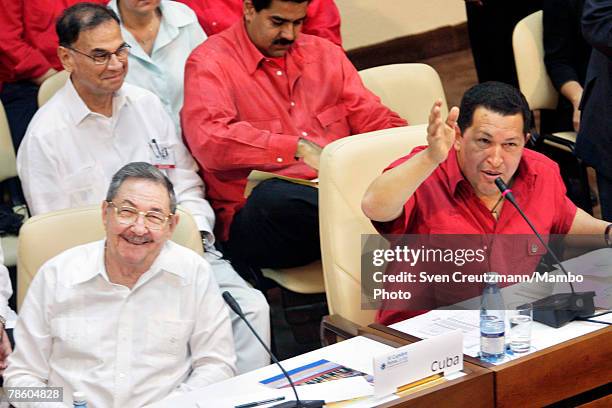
(386, 196)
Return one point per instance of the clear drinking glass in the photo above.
(520, 316)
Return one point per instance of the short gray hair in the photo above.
(141, 170)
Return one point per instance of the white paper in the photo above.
(336, 390)
(441, 321)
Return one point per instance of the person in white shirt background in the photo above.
(129, 320)
(162, 34)
(6, 291)
(97, 123)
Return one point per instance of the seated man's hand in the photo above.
(5, 350)
(310, 152)
(440, 134)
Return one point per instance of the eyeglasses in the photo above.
(126, 215)
(103, 57)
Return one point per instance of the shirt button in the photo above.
(214, 23)
(292, 103)
(304, 134)
(279, 72)
(121, 375)
(279, 159)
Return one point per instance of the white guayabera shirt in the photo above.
(6, 289)
(69, 154)
(123, 348)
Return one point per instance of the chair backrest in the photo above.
(347, 168)
(528, 45)
(408, 89)
(50, 86)
(44, 236)
(8, 165)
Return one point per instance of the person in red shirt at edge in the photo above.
(262, 96)
(28, 56)
(322, 17)
(448, 186)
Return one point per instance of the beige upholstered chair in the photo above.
(348, 166)
(306, 279)
(534, 82)
(408, 89)
(45, 236)
(8, 169)
(51, 86)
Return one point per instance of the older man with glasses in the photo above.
(96, 124)
(128, 320)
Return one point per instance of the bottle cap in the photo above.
(78, 396)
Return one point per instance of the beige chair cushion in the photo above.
(44, 236)
(528, 46)
(348, 166)
(306, 279)
(50, 86)
(408, 89)
(8, 166)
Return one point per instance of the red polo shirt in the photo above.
(243, 111)
(28, 41)
(322, 17)
(446, 204)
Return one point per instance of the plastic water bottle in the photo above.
(492, 320)
(78, 399)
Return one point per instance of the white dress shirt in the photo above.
(163, 71)
(69, 154)
(6, 289)
(123, 348)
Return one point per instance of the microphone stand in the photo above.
(231, 302)
(554, 310)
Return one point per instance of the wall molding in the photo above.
(412, 48)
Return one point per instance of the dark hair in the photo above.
(81, 17)
(141, 170)
(264, 4)
(497, 97)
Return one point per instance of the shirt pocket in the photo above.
(86, 185)
(77, 342)
(167, 338)
(272, 125)
(333, 117)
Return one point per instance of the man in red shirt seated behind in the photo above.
(262, 96)
(449, 186)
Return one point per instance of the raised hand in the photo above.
(441, 134)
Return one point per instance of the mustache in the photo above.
(282, 41)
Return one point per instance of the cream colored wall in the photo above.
(368, 22)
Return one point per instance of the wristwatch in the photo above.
(607, 236)
(204, 239)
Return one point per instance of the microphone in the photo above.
(555, 310)
(231, 302)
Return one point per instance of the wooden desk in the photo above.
(474, 390)
(546, 376)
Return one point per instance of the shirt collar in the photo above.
(174, 17)
(251, 55)
(74, 104)
(163, 263)
(453, 171)
(525, 173)
(77, 108)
